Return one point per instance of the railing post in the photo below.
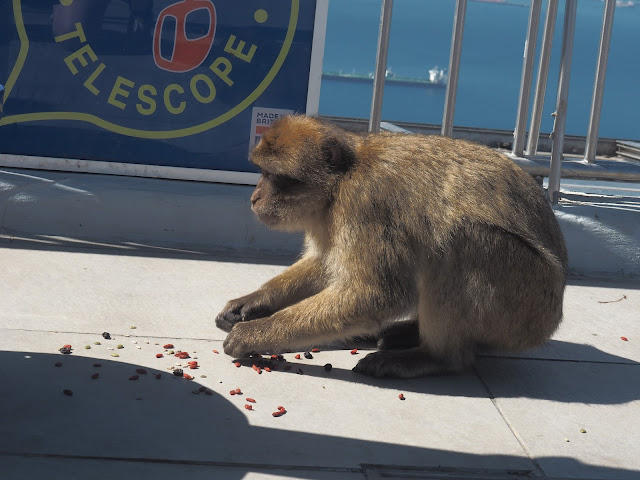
(543, 74)
(454, 68)
(525, 81)
(562, 99)
(598, 87)
(381, 66)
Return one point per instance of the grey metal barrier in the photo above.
(553, 164)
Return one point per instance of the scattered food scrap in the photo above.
(281, 411)
(401, 396)
(354, 351)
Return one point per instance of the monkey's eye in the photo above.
(282, 182)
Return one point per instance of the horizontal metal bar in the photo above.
(573, 144)
(578, 168)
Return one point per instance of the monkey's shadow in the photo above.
(559, 371)
(113, 427)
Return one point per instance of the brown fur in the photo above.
(447, 232)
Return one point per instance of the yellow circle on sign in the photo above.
(134, 132)
(260, 16)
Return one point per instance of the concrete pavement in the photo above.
(510, 417)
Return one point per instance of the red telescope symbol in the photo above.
(187, 53)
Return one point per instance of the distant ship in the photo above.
(437, 78)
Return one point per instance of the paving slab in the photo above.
(577, 419)
(89, 289)
(510, 414)
(333, 419)
(598, 313)
(29, 468)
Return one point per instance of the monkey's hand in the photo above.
(252, 306)
(258, 336)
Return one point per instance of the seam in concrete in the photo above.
(166, 461)
(570, 360)
(538, 469)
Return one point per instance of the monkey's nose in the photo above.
(255, 197)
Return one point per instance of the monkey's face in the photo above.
(297, 159)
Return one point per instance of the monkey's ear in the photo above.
(339, 157)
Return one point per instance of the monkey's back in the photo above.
(465, 183)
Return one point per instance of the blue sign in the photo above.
(170, 83)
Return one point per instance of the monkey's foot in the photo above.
(414, 362)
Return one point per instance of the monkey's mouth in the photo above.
(268, 218)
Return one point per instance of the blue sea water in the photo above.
(491, 63)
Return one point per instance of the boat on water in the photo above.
(437, 78)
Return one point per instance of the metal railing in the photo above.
(536, 164)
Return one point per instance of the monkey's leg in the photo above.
(303, 279)
(400, 335)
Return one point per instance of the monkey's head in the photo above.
(302, 161)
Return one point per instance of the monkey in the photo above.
(448, 234)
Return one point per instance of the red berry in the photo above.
(232, 392)
(159, 355)
(237, 364)
(401, 396)
(187, 376)
(297, 357)
(624, 339)
(66, 346)
(248, 407)
(315, 350)
(267, 369)
(279, 413)
(354, 351)
(168, 345)
(216, 351)
(274, 357)
(250, 400)
(238, 391)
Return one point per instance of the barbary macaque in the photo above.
(450, 235)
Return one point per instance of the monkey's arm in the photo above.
(330, 315)
(304, 278)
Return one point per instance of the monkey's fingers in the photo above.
(227, 319)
